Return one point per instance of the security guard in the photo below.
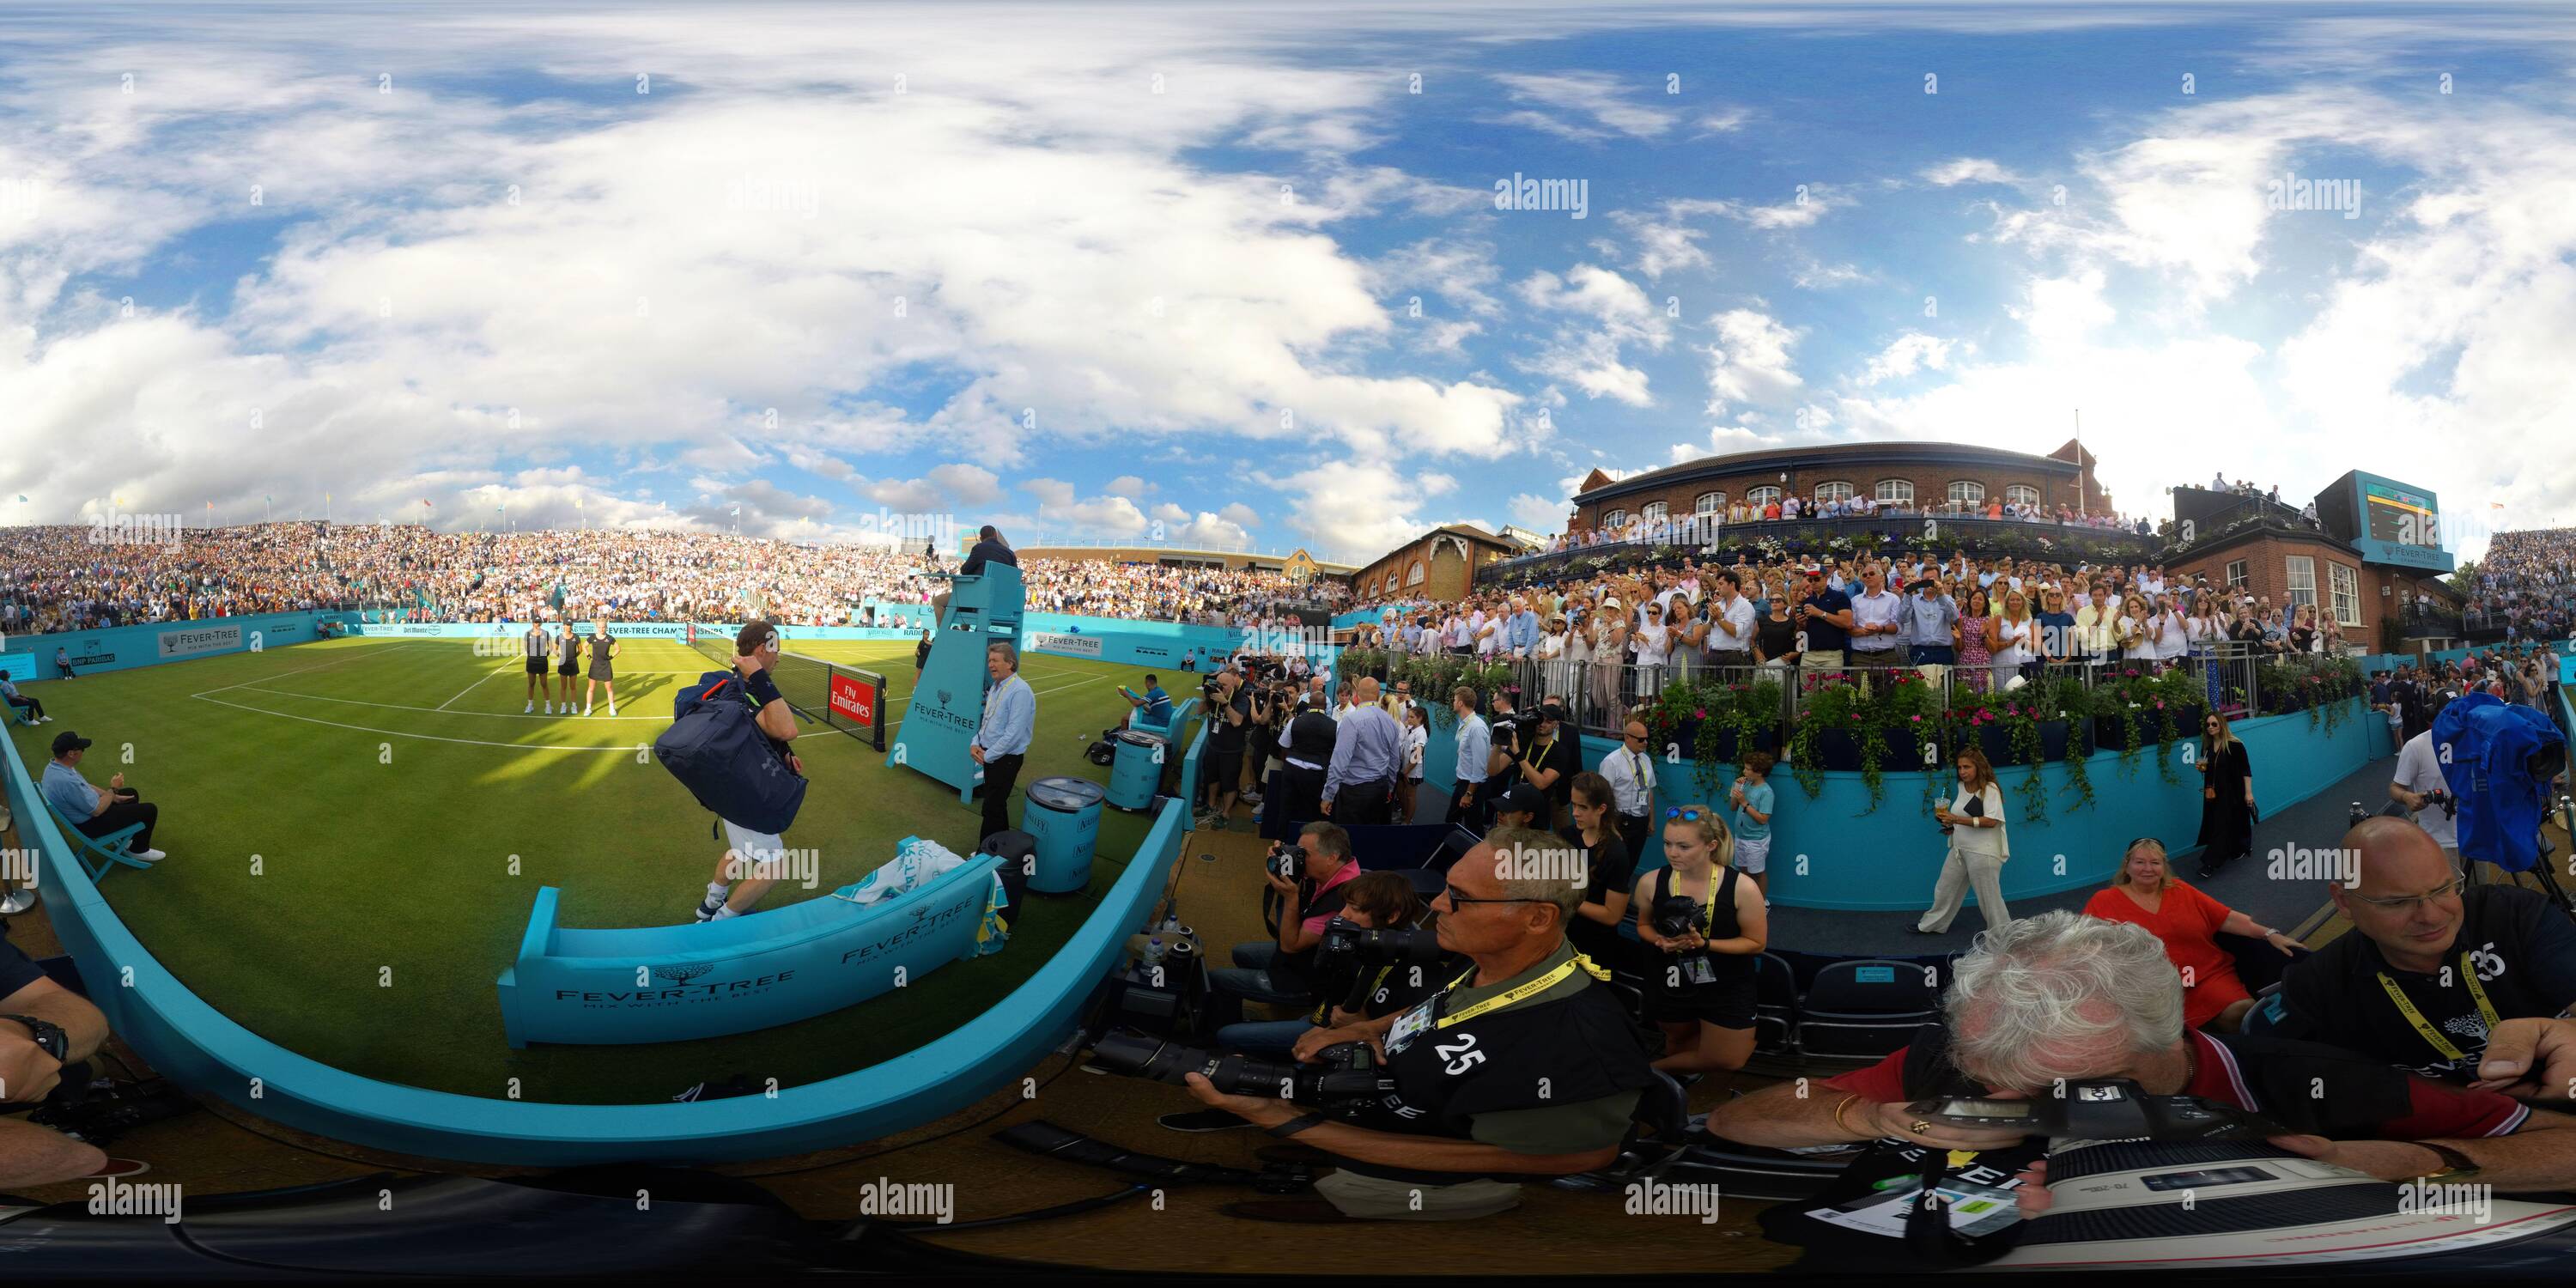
(1523, 1065)
(1307, 747)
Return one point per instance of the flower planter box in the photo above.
(1729, 748)
(1839, 749)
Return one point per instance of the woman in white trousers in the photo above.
(1974, 824)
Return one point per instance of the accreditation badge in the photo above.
(1410, 1026)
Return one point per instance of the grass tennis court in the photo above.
(339, 810)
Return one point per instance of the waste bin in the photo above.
(1136, 772)
(1063, 816)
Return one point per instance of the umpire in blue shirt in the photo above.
(1010, 716)
(1361, 780)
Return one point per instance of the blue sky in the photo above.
(1222, 276)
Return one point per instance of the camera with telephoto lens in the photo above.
(2102, 1109)
(1342, 1079)
(1346, 945)
(1676, 915)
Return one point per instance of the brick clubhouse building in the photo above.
(1931, 477)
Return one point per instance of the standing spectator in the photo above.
(95, 812)
(1975, 633)
(1417, 740)
(1467, 804)
(1775, 639)
(1367, 750)
(1611, 873)
(1824, 617)
(2144, 892)
(2056, 627)
(1010, 717)
(1876, 615)
(1752, 796)
(1973, 823)
(2226, 797)
(1630, 772)
(1930, 633)
(1731, 625)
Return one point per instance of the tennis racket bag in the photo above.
(716, 749)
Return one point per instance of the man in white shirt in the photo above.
(1876, 611)
(1631, 773)
(2419, 774)
(1730, 637)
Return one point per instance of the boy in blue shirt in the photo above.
(1752, 796)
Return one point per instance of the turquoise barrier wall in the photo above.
(1887, 859)
(120, 648)
(201, 1049)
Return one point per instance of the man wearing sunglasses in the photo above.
(1523, 1065)
(2463, 984)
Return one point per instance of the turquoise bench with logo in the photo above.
(755, 971)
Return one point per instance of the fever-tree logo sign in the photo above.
(681, 974)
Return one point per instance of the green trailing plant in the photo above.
(2070, 701)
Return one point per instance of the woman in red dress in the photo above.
(2145, 893)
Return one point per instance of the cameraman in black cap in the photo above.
(1522, 1065)
(1548, 766)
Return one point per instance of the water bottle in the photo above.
(1153, 955)
(1171, 928)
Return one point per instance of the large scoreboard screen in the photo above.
(2399, 523)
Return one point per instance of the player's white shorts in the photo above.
(754, 849)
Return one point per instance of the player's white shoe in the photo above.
(530, 709)
(612, 710)
(148, 856)
(585, 709)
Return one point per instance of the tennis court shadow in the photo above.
(642, 686)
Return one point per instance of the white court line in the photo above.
(324, 667)
(489, 715)
(503, 670)
(628, 750)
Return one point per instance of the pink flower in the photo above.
(1915, 719)
(1702, 713)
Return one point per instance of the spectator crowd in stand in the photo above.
(2527, 584)
(61, 579)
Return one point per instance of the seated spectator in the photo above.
(2435, 972)
(63, 662)
(66, 1031)
(35, 710)
(94, 811)
(2061, 997)
(2187, 922)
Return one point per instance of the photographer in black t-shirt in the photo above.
(1229, 721)
(2435, 971)
(1549, 761)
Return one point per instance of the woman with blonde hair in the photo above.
(2226, 796)
(2012, 639)
(2144, 892)
(1700, 992)
(1973, 823)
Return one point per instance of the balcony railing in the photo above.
(1698, 535)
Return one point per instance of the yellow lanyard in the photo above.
(2406, 1007)
(1711, 911)
(1521, 993)
(1324, 1010)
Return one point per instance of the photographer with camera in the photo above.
(2058, 999)
(1548, 765)
(1307, 878)
(1229, 716)
(2445, 979)
(1519, 1065)
(2420, 787)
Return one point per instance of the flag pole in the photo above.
(2080, 498)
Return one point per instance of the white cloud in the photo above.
(1594, 96)
(1968, 170)
(1540, 514)
(1589, 356)
(1750, 362)
(1907, 354)
(968, 484)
